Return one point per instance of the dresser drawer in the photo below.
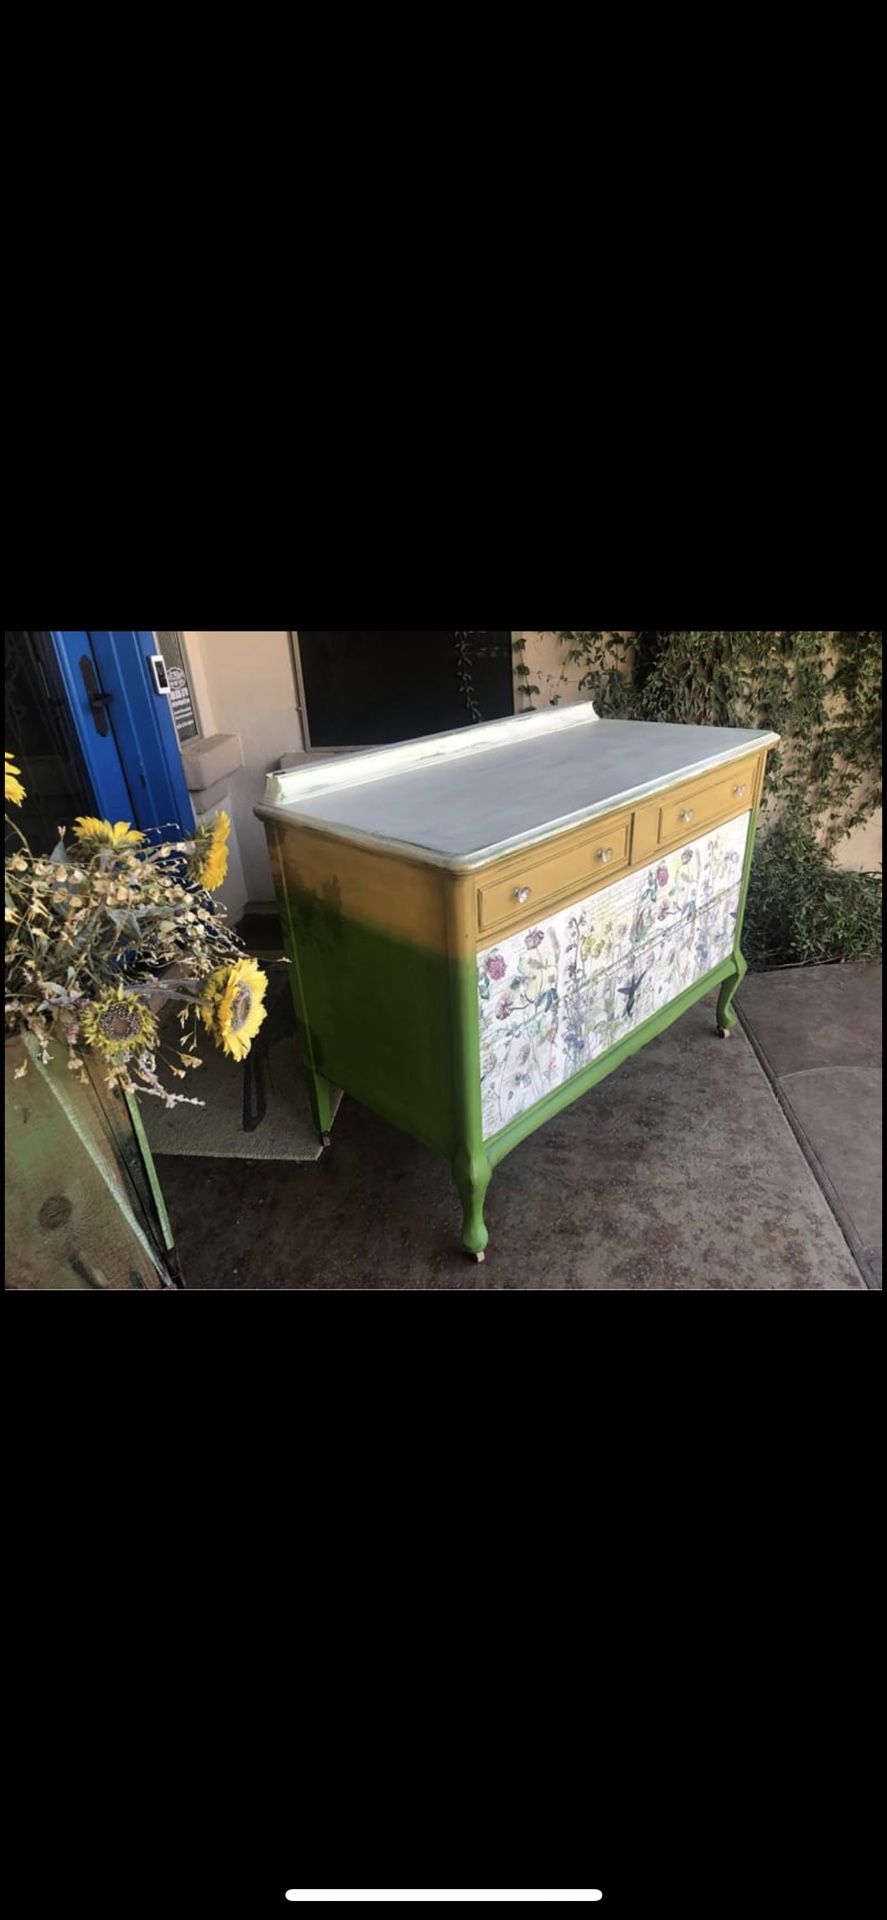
(530, 887)
(555, 994)
(703, 806)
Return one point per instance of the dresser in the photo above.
(482, 925)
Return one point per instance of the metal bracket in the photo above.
(161, 677)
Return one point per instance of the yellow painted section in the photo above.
(707, 802)
(401, 898)
(654, 826)
(573, 865)
(459, 913)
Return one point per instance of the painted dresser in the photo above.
(482, 925)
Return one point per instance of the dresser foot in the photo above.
(473, 1174)
(726, 1017)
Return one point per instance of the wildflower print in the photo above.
(578, 983)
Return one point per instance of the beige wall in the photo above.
(861, 851)
(244, 683)
(550, 670)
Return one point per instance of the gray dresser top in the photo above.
(461, 799)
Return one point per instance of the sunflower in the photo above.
(213, 988)
(100, 833)
(209, 861)
(232, 1009)
(118, 1024)
(14, 789)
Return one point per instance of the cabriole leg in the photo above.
(726, 1016)
(473, 1175)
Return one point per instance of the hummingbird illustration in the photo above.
(632, 990)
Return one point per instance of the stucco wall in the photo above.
(862, 851)
(244, 683)
(550, 670)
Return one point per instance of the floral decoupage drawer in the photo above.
(556, 996)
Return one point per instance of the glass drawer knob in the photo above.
(523, 894)
(739, 791)
(688, 813)
(605, 854)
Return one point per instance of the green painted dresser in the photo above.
(483, 925)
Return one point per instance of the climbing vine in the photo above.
(820, 691)
(465, 671)
(525, 685)
(464, 646)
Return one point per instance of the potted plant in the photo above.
(100, 934)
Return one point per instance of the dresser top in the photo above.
(461, 799)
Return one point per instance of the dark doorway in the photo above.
(370, 689)
(39, 735)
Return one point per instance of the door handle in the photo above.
(98, 702)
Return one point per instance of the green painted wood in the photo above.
(472, 1167)
(374, 1017)
(146, 1162)
(726, 1015)
(74, 1215)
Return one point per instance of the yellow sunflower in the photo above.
(14, 789)
(101, 833)
(209, 861)
(233, 1009)
(118, 1024)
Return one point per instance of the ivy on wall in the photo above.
(464, 644)
(822, 693)
(525, 685)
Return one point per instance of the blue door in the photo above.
(117, 699)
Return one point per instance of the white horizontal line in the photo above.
(485, 1894)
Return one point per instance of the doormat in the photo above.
(267, 1091)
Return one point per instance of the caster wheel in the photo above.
(325, 1140)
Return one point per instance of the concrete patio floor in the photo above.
(817, 1033)
(682, 1171)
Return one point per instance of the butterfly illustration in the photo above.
(632, 990)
